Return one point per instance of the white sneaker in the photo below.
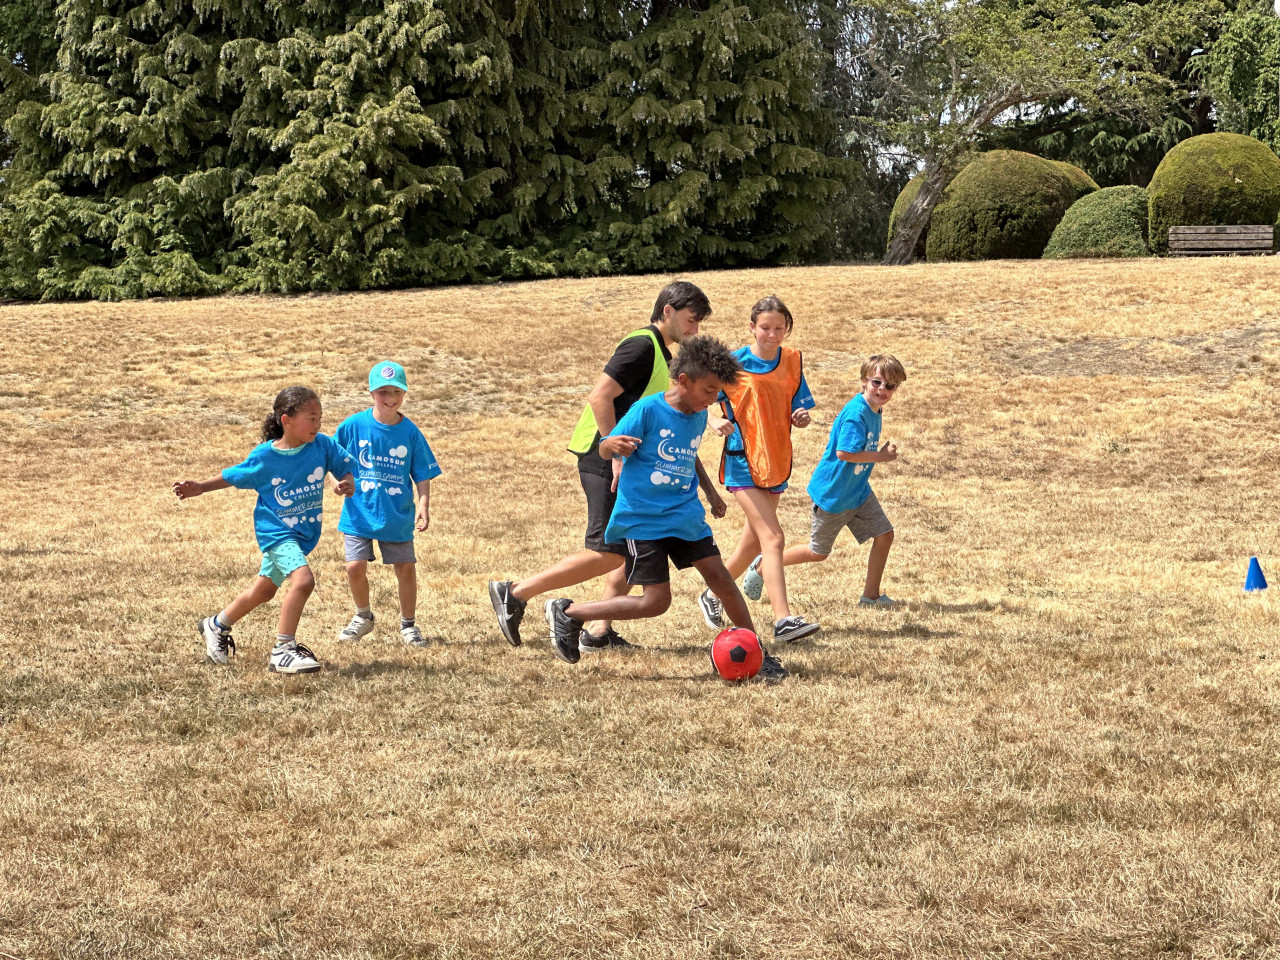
(218, 644)
(357, 628)
(413, 636)
(292, 658)
(884, 602)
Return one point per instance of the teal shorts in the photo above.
(281, 560)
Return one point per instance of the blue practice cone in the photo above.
(1255, 580)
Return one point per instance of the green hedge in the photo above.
(1218, 178)
(1108, 223)
(1004, 205)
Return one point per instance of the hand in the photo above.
(800, 417)
(345, 487)
(423, 520)
(186, 489)
(617, 472)
(619, 445)
(720, 426)
(718, 507)
(889, 453)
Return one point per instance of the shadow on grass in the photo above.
(374, 668)
(981, 606)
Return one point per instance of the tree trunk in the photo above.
(915, 218)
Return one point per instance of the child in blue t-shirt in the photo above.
(658, 514)
(394, 470)
(287, 470)
(841, 483)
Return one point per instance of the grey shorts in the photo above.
(361, 548)
(864, 522)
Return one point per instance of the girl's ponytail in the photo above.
(288, 402)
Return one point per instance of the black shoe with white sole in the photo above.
(790, 629)
(565, 631)
(712, 610)
(772, 670)
(610, 641)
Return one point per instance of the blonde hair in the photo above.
(889, 366)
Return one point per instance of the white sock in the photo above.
(365, 613)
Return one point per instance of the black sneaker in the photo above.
(790, 629)
(712, 611)
(564, 631)
(510, 611)
(772, 670)
(610, 641)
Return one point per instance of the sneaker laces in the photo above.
(302, 651)
(226, 643)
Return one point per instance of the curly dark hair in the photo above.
(702, 356)
(288, 402)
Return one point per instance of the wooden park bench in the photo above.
(1221, 241)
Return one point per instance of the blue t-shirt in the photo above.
(391, 459)
(736, 471)
(837, 484)
(658, 489)
(290, 487)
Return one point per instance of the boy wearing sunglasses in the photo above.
(841, 483)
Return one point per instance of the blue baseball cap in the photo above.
(388, 373)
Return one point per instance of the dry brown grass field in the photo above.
(1065, 744)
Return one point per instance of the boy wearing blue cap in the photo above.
(392, 498)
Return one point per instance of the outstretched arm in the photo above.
(186, 489)
(886, 455)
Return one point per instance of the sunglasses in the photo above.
(880, 383)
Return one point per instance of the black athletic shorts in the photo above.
(647, 559)
(600, 501)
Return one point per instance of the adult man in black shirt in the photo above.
(637, 368)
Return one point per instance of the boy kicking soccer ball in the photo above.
(392, 499)
(658, 514)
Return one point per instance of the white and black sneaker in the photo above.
(218, 645)
(357, 628)
(790, 629)
(292, 658)
(712, 610)
(587, 643)
(509, 608)
(413, 637)
(565, 631)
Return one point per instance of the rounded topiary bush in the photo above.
(1217, 178)
(1004, 205)
(1107, 223)
(905, 199)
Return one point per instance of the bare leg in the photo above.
(574, 569)
(652, 602)
(407, 581)
(358, 580)
(615, 585)
(261, 591)
(301, 583)
(718, 578)
(761, 508)
(801, 554)
(748, 549)
(875, 564)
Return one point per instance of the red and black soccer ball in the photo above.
(737, 654)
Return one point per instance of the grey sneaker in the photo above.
(509, 609)
(752, 582)
(790, 629)
(610, 641)
(413, 636)
(772, 670)
(712, 611)
(565, 631)
(218, 645)
(292, 658)
(884, 602)
(357, 628)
